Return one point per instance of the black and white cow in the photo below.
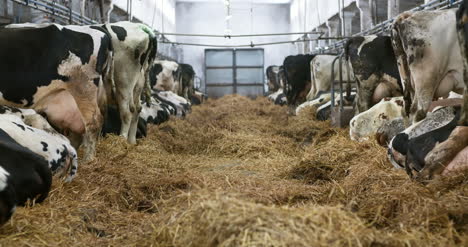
(162, 75)
(198, 97)
(272, 74)
(298, 80)
(135, 49)
(180, 105)
(399, 145)
(157, 112)
(429, 58)
(61, 77)
(24, 175)
(54, 147)
(185, 81)
(321, 74)
(375, 69)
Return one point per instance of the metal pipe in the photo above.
(341, 80)
(385, 25)
(237, 36)
(333, 82)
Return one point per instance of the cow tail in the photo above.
(153, 46)
(405, 73)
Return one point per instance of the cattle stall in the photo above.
(233, 123)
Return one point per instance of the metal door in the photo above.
(234, 71)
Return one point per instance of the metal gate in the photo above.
(234, 71)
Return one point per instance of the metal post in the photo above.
(341, 80)
(333, 82)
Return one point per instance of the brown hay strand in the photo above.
(241, 172)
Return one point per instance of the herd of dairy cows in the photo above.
(410, 92)
(64, 86)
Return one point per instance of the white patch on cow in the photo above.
(96, 35)
(322, 99)
(33, 25)
(182, 105)
(54, 147)
(69, 65)
(165, 79)
(367, 39)
(3, 178)
(367, 123)
(453, 95)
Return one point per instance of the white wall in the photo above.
(318, 12)
(153, 12)
(209, 18)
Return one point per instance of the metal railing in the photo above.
(385, 26)
(57, 10)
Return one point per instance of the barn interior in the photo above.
(239, 169)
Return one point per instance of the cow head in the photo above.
(297, 74)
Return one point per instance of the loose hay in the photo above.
(241, 172)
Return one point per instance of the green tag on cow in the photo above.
(148, 30)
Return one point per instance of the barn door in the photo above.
(234, 71)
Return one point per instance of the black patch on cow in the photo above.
(44, 146)
(31, 56)
(136, 53)
(30, 129)
(30, 176)
(120, 32)
(375, 58)
(297, 74)
(153, 73)
(96, 81)
(20, 126)
(104, 49)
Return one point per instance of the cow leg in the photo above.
(125, 112)
(364, 99)
(136, 105)
(423, 94)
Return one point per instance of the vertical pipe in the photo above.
(341, 80)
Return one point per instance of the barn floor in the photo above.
(238, 172)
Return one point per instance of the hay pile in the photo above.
(238, 172)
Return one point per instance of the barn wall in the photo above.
(209, 18)
(327, 16)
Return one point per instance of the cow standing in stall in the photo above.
(58, 71)
(298, 81)
(429, 58)
(135, 49)
(375, 68)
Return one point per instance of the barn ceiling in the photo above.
(240, 1)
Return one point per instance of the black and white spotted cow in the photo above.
(198, 97)
(398, 146)
(135, 49)
(278, 97)
(321, 74)
(272, 74)
(375, 69)
(157, 112)
(298, 81)
(162, 75)
(184, 84)
(24, 175)
(366, 124)
(61, 77)
(429, 58)
(54, 147)
(180, 105)
(319, 100)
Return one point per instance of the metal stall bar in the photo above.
(57, 10)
